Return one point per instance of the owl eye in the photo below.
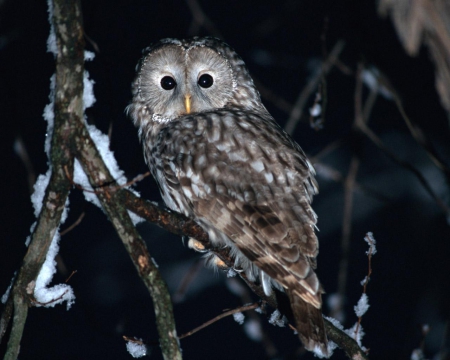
(205, 81)
(168, 83)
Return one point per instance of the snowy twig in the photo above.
(34, 301)
(344, 341)
(362, 303)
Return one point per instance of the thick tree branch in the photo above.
(68, 106)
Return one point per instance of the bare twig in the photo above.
(274, 98)
(132, 182)
(70, 276)
(74, 225)
(244, 293)
(92, 42)
(349, 185)
(274, 21)
(309, 89)
(219, 317)
(329, 173)
(326, 150)
(201, 20)
(21, 151)
(187, 279)
(406, 165)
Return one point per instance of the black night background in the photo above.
(283, 43)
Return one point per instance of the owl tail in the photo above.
(310, 326)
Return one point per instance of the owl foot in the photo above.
(196, 245)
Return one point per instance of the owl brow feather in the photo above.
(227, 62)
(150, 51)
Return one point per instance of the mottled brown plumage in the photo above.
(220, 158)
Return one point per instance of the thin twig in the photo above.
(221, 316)
(418, 135)
(131, 182)
(326, 150)
(187, 279)
(201, 19)
(74, 225)
(367, 279)
(406, 165)
(274, 98)
(346, 229)
(21, 150)
(244, 293)
(34, 301)
(349, 186)
(110, 186)
(309, 89)
(329, 173)
(70, 276)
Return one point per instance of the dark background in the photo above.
(282, 44)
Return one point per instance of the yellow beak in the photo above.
(187, 103)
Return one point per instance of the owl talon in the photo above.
(196, 245)
(220, 263)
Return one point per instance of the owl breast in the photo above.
(209, 162)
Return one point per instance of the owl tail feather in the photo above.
(310, 325)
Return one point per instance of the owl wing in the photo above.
(241, 174)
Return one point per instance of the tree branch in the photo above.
(99, 175)
(68, 106)
(70, 137)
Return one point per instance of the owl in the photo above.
(221, 159)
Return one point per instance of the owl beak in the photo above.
(187, 103)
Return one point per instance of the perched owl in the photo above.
(220, 158)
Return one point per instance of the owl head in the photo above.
(179, 77)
